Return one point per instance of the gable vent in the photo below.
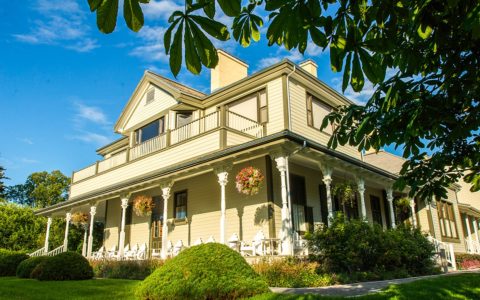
(150, 96)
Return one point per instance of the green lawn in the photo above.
(31, 289)
(465, 286)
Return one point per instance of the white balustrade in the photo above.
(149, 146)
(84, 173)
(56, 251)
(113, 161)
(39, 252)
(449, 252)
(245, 125)
(210, 121)
(472, 246)
(194, 128)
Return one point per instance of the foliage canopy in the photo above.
(422, 57)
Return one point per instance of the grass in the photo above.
(464, 286)
(30, 289)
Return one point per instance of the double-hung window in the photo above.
(180, 205)
(446, 218)
(316, 112)
(253, 107)
(150, 131)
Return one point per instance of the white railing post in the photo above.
(222, 174)
(121, 243)
(327, 180)
(286, 230)
(84, 246)
(390, 207)
(166, 187)
(68, 217)
(47, 235)
(361, 193)
(93, 211)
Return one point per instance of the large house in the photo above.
(184, 148)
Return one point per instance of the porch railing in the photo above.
(113, 161)
(472, 246)
(244, 124)
(56, 251)
(449, 252)
(149, 146)
(207, 123)
(39, 252)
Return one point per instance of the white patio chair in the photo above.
(177, 248)
(211, 239)
(142, 252)
(256, 247)
(199, 241)
(100, 254)
(234, 242)
(112, 252)
(131, 254)
(169, 249)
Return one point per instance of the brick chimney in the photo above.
(228, 70)
(310, 66)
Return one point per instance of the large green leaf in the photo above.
(167, 38)
(94, 4)
(176, 51)
(205, 49)
(107, 16)
(213, 28)
(231, 8)
(346, 72)
(357, 79)
(271, 5)
(371, 67)
(191, 57)
(133, 14)
(318, 37)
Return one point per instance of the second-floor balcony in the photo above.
(241, 129)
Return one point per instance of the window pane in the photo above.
(161, 125)
(263, 115)
(183, 118)
(320, 111)
(180, 205)
(246, 107)
(149, 131)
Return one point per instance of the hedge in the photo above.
(25, 268)
(63, 266)
(9, 261)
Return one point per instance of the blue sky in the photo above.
(63, 83)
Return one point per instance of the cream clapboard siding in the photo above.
(236, 139)
(299, 124)
(143, 111)
(112, 223)
(188, 150)
(245, 215)
(275, 106)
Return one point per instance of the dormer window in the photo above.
(183, 118)
(150, 131)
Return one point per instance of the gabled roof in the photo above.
(180, 87)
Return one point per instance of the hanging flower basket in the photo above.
(79, 219)
(249, 181)
(345, 192)
(143, 205)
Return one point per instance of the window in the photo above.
(301, 213)
(253, 107)
(180, 205)
(376, 209)
(446, 218)
(316, 112)
(150, 131)
(150, 96)
(183, 118)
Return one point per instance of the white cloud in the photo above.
(91, 137)
(281, 54)
(29, 160)
(151, 44)
(160, 9)
(26, 141)
(90, 113)
(61, 23)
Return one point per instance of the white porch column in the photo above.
(84, 247)
(121, 242)
(414, 217)
(390, 207)
(166, 188)
(469, 233)
(327, 180)
(93, 211)
(361, 192)
(286, 230)
(47, 235)
(475, 229)
(222, 180)
(68, 217)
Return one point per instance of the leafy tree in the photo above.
(429, 105)
(2, 184)
(41, 189)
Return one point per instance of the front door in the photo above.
(157, 219)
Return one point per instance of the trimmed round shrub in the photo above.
(9, 261)
(63, 266)
(25, 268)
(208, 271)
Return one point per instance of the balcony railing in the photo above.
(217, 120)
(244, 124)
